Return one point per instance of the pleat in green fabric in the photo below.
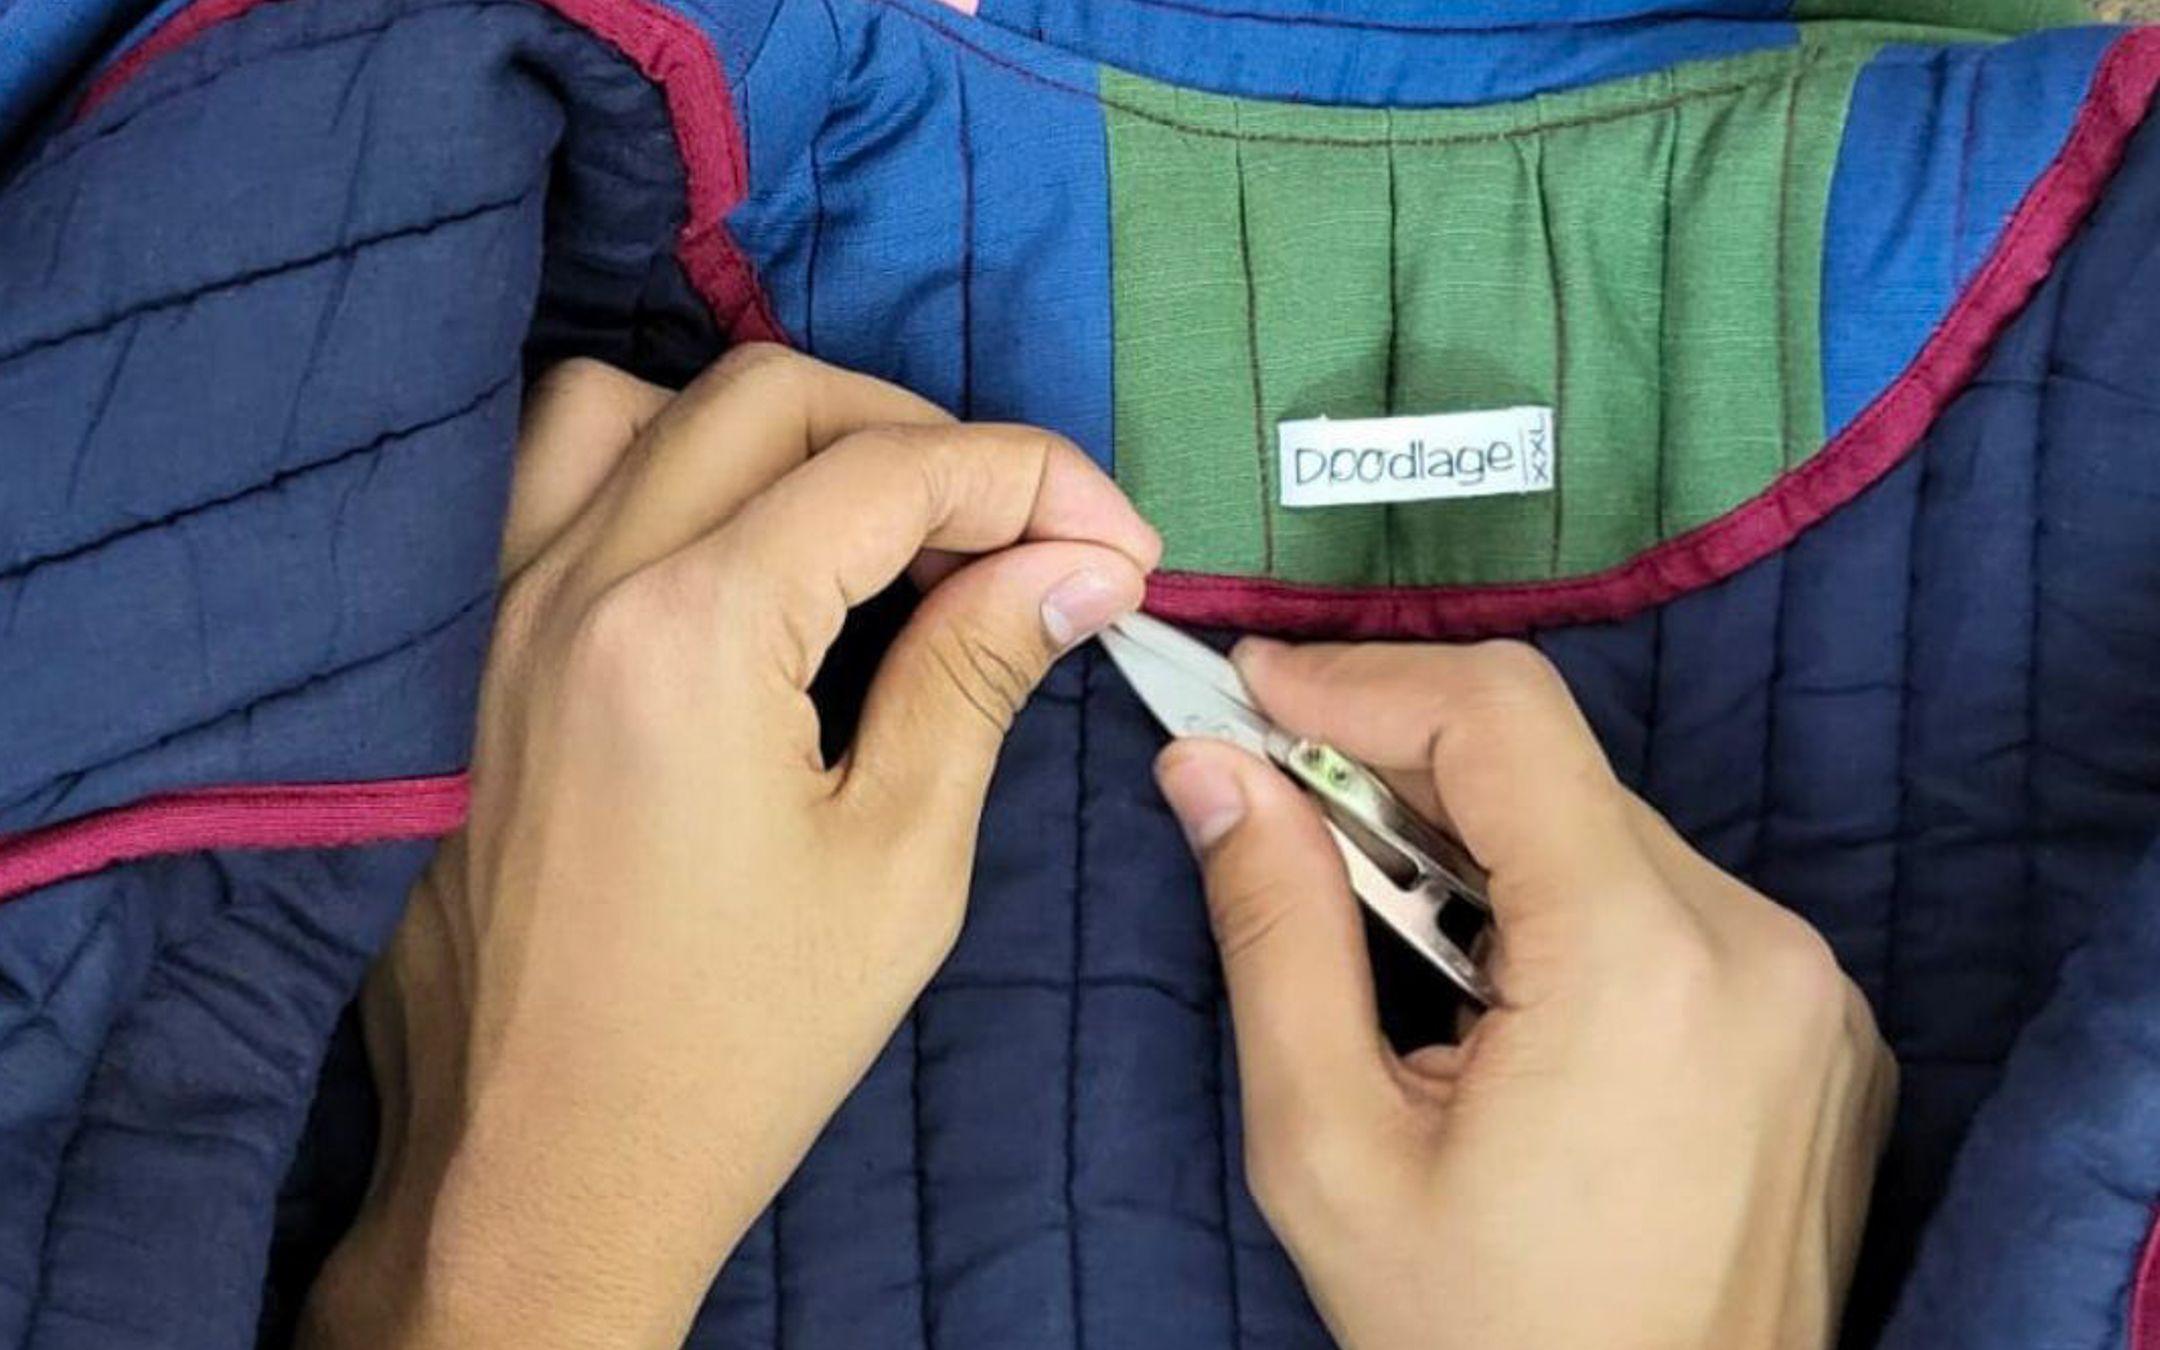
(1644, 256)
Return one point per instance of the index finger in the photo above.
(1509, 759)
(843, 526)
(749, 418)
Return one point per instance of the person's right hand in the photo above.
(1665, 1136)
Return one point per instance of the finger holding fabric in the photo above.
(671, 938)
(1660, 1139)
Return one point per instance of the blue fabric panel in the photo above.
(778, 224)
(1941, 144)
(172, 1052)
(737, 27)
(2055, 1191)
(941, 250)
(201, 1085)
(1380, 55)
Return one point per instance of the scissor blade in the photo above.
(1189, 688)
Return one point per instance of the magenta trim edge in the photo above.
(288, 815)
(1877, 440)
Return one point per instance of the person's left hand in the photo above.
(672, 938)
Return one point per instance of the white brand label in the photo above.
(1417, 459)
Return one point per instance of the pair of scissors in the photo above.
(1411, 874)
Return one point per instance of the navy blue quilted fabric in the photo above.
(264, 316)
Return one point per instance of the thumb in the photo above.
(1309, 1044)
(969, 657)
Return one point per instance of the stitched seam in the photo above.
(2033, 921)
(42, 1281)
(1788, 385)
(1072, 1030)
(275, 481)
(922, 1171)
(1967, 146)
(779, 1279)
(101, 406)
(967, 243)
(1223, 1043)
(256, 274)
(1664, 330)
(984, 984)
(1805, 57)
(1892, 981)
(1773, 682)
(1620, 23)
(1252, 356)
(402, 643)
(1551, 243)
(311, 42)
(39, 1011)
(156, 966)
(1389, 517)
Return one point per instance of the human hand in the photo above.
(671, 938)
(1665, 1136)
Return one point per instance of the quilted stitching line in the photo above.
(1801, 57)
(1138, 983)
(1072, 1030)
(1252, 357)
(157, 969)
(1890, 1000)
(1551, 242)
(344, 668)
(1223, 1049)
(1782, 248)
(253, 275)
(672, 52)
(966, 158)
(61, 152)
(922, 1171)
(273, 483)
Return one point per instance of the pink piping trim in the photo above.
(675, 55)
(672, 52)
(298, 815)
(1876, 442)
(2145, 1295)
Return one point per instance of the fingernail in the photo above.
(1081, 606)
(1204, 796)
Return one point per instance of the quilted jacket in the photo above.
(1848, 312)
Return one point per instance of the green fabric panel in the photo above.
(1323, 320)
(1643, 255)
(1482, 336)
(1183, 339)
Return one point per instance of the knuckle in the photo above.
(523, 608)
(1302, 1163)
(617, 646)
(579, 379)
(1794, 966)
(1670, 940)
(761, 358)
(1506, 670)
(987, 669)
(1245, 911)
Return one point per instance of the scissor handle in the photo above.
(1403, 868)
(1358, 800)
